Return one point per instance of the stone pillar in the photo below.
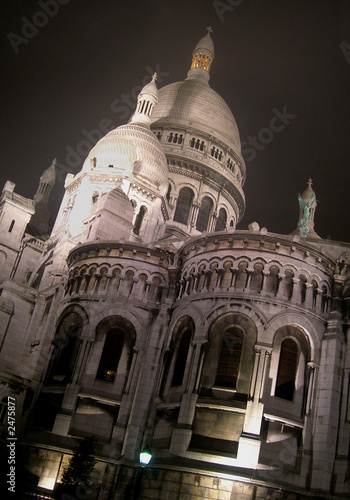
(296, 295)
(264, 282)
(249, 278)
(212, 224)
(325, 435)
(279, 279)
(182, 433)
(193, 214)
(318, 305)
(233, 281)
(146, 372)
(249, 442)
(208, 274)
(311, 380)
(220, 272)
(308, 296)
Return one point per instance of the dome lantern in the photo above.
(147, 99)
(202, 57)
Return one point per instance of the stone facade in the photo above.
(146, 318)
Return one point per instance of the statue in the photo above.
(306, 208)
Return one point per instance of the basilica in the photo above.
(146, 319)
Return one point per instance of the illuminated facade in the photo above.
(146, 318)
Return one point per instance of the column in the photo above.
(309, 296)
(264, 282)
(220, 272)
(193, 214)
(233, 281)
(249, 278)
(296, 295)
(249, 442)
(329, 390)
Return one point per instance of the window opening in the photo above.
(204, 214)
(139, 219)
(287, 368)
(230, 358)
(111, 354)
(183, 206)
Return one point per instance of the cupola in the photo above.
(147, 99)
(202, 57)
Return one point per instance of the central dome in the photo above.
(193, 103)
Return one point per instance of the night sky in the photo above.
(91, 55)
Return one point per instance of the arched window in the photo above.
(287, 368)
(221, 220)
(181, 358)
(241, 279)
(229, 358)
(272, 279)
(204, 214)
(115, 339)
(139, 219)
(66, 348)
(111, 353)
(175, 362)
(183, 206)
(257, 277)
(168, 193)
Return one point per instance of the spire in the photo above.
(147, 99)
(39, 224)
(307, 207)
(202, 57)
(46, 183)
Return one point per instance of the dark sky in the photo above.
(270, 55)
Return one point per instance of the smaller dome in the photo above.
(128, 150)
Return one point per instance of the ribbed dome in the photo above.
(130, 149)
(193, 103)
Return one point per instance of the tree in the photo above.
(76, 476)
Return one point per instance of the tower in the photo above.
(201, 142)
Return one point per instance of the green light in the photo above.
(145, 456)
